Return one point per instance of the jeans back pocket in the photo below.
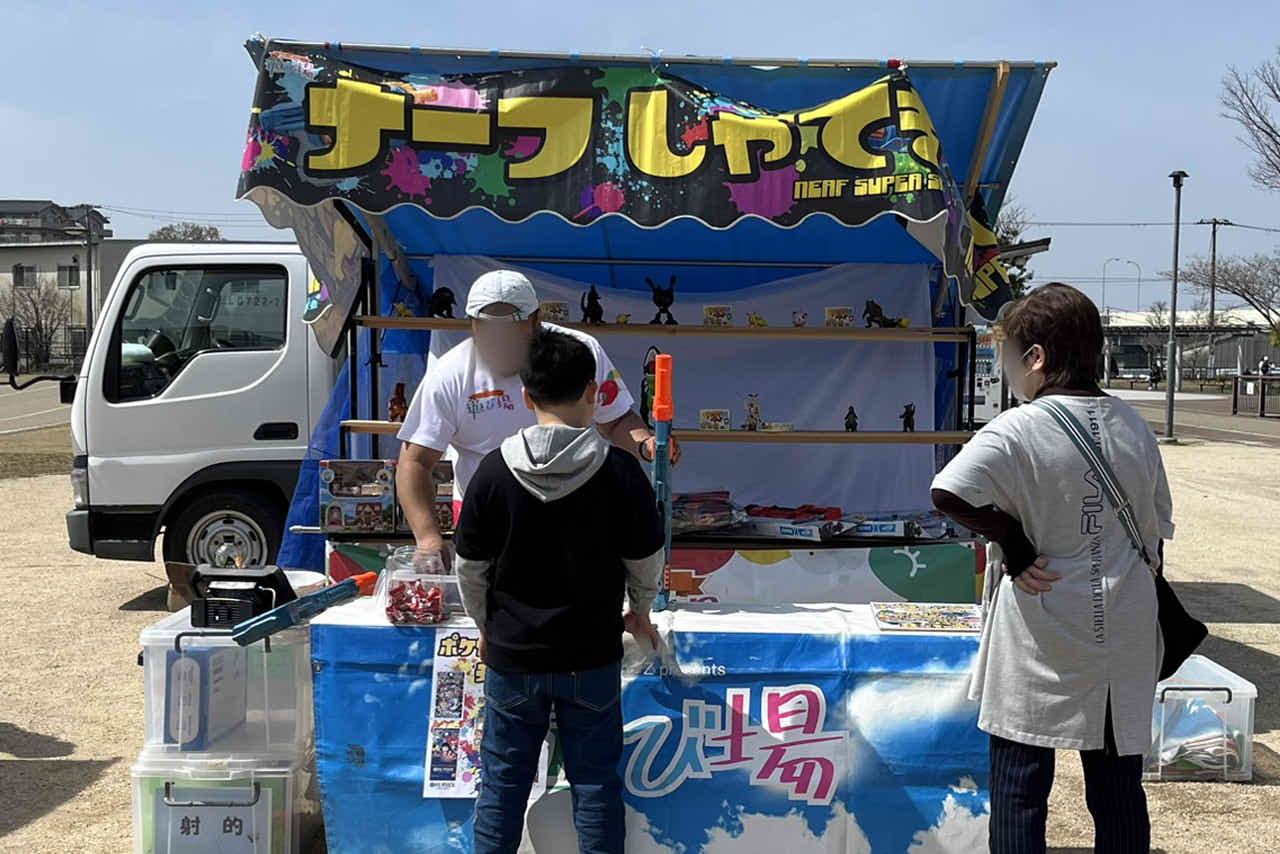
(598, 689)
(505, 690)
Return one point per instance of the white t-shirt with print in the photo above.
(462, 408)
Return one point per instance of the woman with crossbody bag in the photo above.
(1071, 644)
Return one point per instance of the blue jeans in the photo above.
(517, 713)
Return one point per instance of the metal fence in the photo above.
(1256, 395)
(65, 349)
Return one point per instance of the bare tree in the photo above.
(1254, 279)
(1247, 99)
(43, 312)
(188, 232)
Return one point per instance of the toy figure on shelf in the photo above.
(441, 304)
(647, 385)
(754, 319)
(874, 315)
(799, 318)
(623, 319)
(851, 420)
(402, 309)
(754, 421)
(397, 406)
(592, 310)
(663, 298)
(908, 418)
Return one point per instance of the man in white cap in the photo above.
(470, 400)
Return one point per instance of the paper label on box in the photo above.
(206, 695)
(213, 820)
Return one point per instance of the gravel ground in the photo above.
(71, 702)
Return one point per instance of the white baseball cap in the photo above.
(502, 286)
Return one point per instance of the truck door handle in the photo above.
(275, 431)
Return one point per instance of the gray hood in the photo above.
(551, 461)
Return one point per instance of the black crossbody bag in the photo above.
(1182, 632)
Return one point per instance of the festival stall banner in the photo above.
(586, 142)
(909, 573)
(831, 737)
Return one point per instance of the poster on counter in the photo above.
(455, 720)
(455, 716)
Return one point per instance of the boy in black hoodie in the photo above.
(557, 525)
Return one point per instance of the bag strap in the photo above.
(1106, 477)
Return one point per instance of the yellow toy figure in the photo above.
(756, 320)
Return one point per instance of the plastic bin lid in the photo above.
(1200, 671)
(164, 631)
(152, 763)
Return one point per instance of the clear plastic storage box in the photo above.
(1202, 725)
(260, 805)
(205, 694)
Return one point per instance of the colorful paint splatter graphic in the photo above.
(588, 142)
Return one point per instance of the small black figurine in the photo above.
(663, 298)
(908, 417)
(442, 303)
(874, 315)
(592, 310)
(851, 420)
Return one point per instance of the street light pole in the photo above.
(1171, 354)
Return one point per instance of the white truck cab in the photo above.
(195, 403)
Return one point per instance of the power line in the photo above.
(1108, 224)
(137, 211)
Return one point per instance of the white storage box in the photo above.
(1202, 725)
(243, 806)
(205, 694)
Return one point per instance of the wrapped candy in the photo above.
(415, 600)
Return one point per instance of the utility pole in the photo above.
(88, 277)
(1171, 354)
(1213, 278)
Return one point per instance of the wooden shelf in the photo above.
(380, 428)
(785, 333)
(793, 437)
(826, 437)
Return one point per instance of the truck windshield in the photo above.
(172, 315)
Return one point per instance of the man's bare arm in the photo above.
(630, 432)
(416, 491)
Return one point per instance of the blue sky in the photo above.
(144, 105)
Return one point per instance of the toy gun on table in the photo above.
(663, 410)
(304, 608)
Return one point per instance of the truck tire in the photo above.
(226, 523)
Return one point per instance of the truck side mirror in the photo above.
(10, 347)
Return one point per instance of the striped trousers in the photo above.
(1022, 775)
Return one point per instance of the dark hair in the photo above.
(560, 368)
(1066, 324)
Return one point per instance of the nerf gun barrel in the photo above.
(304, 608)
(663, 410)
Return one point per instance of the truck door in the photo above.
(204, 376)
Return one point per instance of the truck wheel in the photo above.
(220, 527)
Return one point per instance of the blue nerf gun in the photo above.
(663, 410)
(303, 608)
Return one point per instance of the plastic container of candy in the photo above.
(415, 588)
(417, 599)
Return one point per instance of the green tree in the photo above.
(187, 232)
(1010, 225)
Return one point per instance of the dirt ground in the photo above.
(35, 452)
(71, 698)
